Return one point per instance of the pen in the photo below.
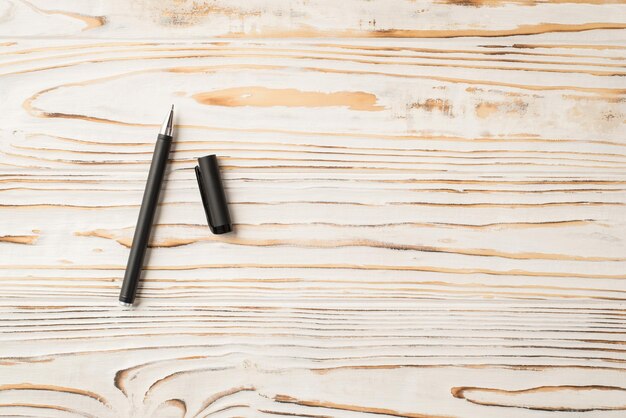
(146, 212)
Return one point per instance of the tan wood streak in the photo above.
(124, 237)
(600, 91)
(542, 28)
(503, 367)
(263, 97)
(353, 408)
(291, 414)
(510, 396)
(413, 292)
(277, 203)
(501, 225)
(437, 289)
(55, 48)
(357, 267)
(19, 239)
(413, 189)
(175, 403)
(53, 388)
(90, 22)
(483, 182)
(206, 404)
(36, 406)
(566, 46)
(172, 376)
(487, 49)
(122, 376)
(501, 3)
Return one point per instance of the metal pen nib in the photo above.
(168, 126)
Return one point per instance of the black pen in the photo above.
(146, 213)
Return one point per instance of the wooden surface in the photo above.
(429, 202)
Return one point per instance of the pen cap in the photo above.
(213, 197)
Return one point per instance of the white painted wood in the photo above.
(427, 223)
(169, 19)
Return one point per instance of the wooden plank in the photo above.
(423, 227)
(170, 19)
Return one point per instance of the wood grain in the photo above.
(428, 198)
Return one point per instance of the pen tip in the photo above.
(168, 124)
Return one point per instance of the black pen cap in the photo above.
(213, 196)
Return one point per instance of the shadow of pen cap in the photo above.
(213, 196)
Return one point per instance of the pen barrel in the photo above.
(146, 218)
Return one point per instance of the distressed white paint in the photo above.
(446, 238)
